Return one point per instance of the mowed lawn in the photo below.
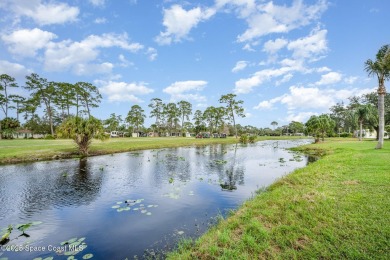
(335, 208)
(24, 150)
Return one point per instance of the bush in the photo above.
(49, 137)
(345, 134)
(244, 139)
(252, 139)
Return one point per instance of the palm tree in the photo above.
(380, 68)
(364, 112)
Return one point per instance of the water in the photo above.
(133, 204)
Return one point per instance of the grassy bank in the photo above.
(335, 208)
(25, 150)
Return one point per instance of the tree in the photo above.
(5, 82)
(185, 110)
(172, 114)
(43, 91)
(364, 113)
(198, 121)
(66, 97)
(319, 126)
(296, 127)
(232, 107)
(9, 126)
(113, 122)
(18, 100)
(136, 117)
(89, 96)
(274, 124)
(381, 69)
(157, 107)
(82, 131)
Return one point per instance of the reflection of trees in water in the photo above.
(170, 164)
(61, 189)
(233, 175)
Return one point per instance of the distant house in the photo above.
(25, 133)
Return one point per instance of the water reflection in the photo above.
(74, 198)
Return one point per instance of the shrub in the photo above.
(49, 137)
(345, 134)
(252, 139)
(244, 139)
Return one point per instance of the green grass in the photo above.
(25, 150)
(335, 208)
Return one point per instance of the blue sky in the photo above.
(286, 60)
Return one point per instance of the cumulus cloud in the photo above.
(274, 46)
(100, 20)
(271, 18)
(310, 47)
(329, 78)
(77, 56)
(97, 2)
(301, 98)
(123, 91)
(14, 69)
(240, 65)
(152, 53)
(43, 13)
(184, 90)
(27, 42)
(300, 116)
(178, 23)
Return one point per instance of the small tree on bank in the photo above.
(82, 131)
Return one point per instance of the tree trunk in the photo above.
(51, 122)
(234, 124)
(381, 109)
(1, 134)
(361, 130)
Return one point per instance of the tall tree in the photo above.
(89, 96)
(43, 91)
(198, 121)
(233, 107)
(113, 122)
(157, 107)
(136, 117)
(6, 82)
(66, 97)
(364, 113)
(185, 110)
(274, 124)
(381, 69)
(172, 114)
(18, 101)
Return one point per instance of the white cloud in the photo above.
(100, 20)
(123, 91)
(286, 78)
(329, 78)
(246, 85)
(180, 90)
(27, 42)
(13, 69)
(43, 13)
(274, 46)
(302, 98)
(300, 116)
(152, 53)
(271, 18)
(77, 56)
(97, 2)
(240, 65)
(350, 80)
(267, 104)
(310, 47)
(179, 22)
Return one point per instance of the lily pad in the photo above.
(149, 213)
(88, 256)
(116, 207)
(143, 211)
(180, 232)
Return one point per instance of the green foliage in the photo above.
(244, 139)
(345, 134)
(320, 125)
(136, 117)
(252, 139)
(49, 137)
(233, 107)
(82, 131)
(9, 126)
